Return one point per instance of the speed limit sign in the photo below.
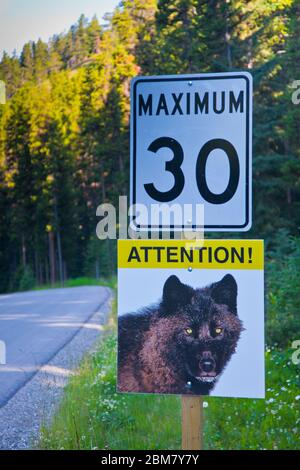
(191, 144)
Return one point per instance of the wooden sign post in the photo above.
(192, 422)
(191, 412)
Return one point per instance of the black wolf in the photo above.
(183, 344)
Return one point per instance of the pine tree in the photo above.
(41, 59)
(80, 41)
(178, 38)
(10, 73)
(94, 32)
(27, 62)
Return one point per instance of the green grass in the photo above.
(81, 281)
(273, 423)
(92, 415)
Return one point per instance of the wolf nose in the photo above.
(207, 365)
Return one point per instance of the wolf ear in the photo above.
(225, 292)
(175, 293)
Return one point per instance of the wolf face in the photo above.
(206, 328)
(184, 344)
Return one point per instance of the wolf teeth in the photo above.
(206, 379)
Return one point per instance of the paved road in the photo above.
(36, 325)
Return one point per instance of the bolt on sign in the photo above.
(191, 145)
(191, 317)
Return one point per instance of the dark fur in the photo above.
(156, 355)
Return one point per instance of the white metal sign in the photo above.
(191, 143)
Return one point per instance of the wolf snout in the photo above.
(207, 362)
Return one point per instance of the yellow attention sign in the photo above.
(201, 254)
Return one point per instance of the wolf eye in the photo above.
(218, 330)
(188, 331)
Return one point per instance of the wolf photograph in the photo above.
(183, 344)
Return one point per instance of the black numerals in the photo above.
(173, 166)
(234, 174)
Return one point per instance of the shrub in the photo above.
(26, 279)
(283, 300)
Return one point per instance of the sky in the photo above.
(25, 20)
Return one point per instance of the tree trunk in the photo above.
(65, 271)
(36, 268)
(228, 46)
(52, 257)
(59, 250)
(97, 270)
(60, 261)
(46, 271)
(23, 252)
(250, 54)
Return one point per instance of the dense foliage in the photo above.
(283, 281)
(64, 136)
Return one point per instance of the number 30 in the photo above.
(174, 167)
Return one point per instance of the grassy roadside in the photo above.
(81, 281)
(93, 416)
